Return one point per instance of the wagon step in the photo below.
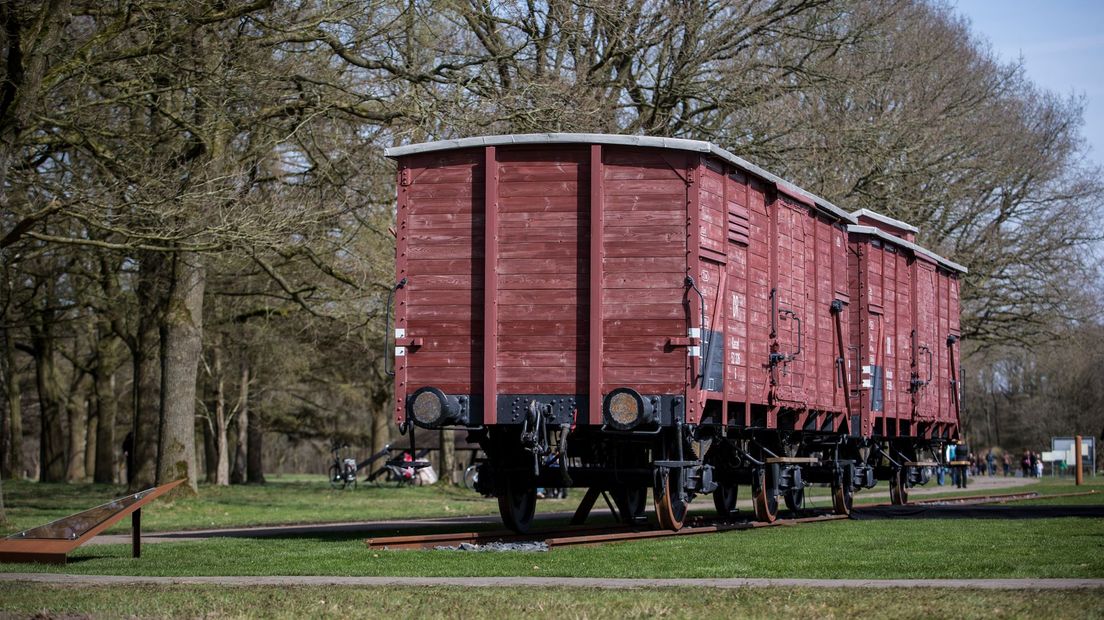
(806, 460)
(921, 464)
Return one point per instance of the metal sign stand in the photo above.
(51, 543)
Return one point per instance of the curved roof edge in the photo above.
(885, 219)
(881, 234)
(681, 144)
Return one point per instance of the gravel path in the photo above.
(563, 582)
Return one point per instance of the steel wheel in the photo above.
(898, 491)
(766, 504)
(630, 503)
(517, 505)
(337, 478)
(795, 499)
(724, 500)
(842, 499)
(471, 477)
(670, 502)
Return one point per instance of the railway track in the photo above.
(993, 499)
(590, 535)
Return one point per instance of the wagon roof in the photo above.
(681, 144)
(885, 219)
(881, 234)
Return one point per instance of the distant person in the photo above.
(1033, 462)
(990, 463)
(128, 456)
(1025, 463)
(952, 450)
(1039, 466)
(1007, 462)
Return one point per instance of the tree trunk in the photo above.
(11, 463)
(181, 346)
(91, 438)
(448, 455)
(50, 401)
(254, 464)
(147, 374)
(5, 419)
(222, 452)
(107, 407)
(78, 439)
(241, 451)
(210, 454)
(381, 416)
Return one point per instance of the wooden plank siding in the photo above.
(884, 330)
(644, 246)
(560, 269)
(440, 249)
(906, 303)
(543, 262)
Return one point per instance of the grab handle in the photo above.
(917, 382)
(388, 364)
(785, 357)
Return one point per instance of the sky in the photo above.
(1062, 46)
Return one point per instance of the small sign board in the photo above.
(1065, 445)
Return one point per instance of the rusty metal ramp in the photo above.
(51, 543)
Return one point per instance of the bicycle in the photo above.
(401, 470)
(343, 471)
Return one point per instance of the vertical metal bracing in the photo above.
(402, 233)
(747, 395)
(490, 287)
(841, 350)
(951, 341)
(596, 269)
(694, 365)
(722, 298)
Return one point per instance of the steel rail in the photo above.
(591, 535)
(716, 528)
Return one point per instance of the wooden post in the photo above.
(136, 533)
(1077, 457)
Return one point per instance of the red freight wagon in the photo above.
(622, 312)
(905, 334)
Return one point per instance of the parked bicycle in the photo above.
(400, 471)
(343, 471)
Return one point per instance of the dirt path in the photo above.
(561, 582)
(978, 486)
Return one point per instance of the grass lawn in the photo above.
(450, 602)
(899, 548)
(281, 501)
(886, 549)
